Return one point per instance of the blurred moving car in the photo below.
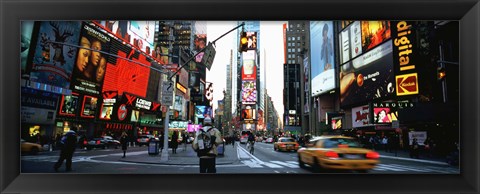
(111, 142)
(244, 139)
(96, 143)
(286, 144)
(31, 148)
(145, 139)
(337, 152)
(269, 140)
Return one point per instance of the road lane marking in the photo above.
(285, 164)
(408, 168)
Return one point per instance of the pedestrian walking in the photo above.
(174, 142)
(69, 143)
(205, 144)
(385, 143)
(414, 149)
(124, 142)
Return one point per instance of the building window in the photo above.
(289, 38)
(293, 44)
(298, 50)
(293, 38)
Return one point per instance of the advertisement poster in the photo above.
(126, 76)
(106, 112)
(53, 63)
(249, 91)
(337, 122)
(25, 43)
(345, 45)
(37, 115)
(69, 105)
(248, 113)
(384, 115)
(360, 116)
(322, 57)
(142, 35)
(249, 70)
(369, 76)
(200, 42)
(89, 106)
(90, 65)
(421, 136)
(355, 39)
(200, 111)
(160, 53)
(251, 40)
(374, 33)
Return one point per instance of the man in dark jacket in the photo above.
(69, 144)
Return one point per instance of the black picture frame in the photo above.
(12, 12)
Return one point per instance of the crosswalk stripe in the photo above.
(252, 163)
(285, 164)
(270, 165)
(408, 168)
(389, 168)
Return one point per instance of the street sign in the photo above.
(167, 93)
(209, 55)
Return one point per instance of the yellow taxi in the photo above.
(337, 152)
(286, 144)
(28, 147)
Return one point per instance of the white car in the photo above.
(244, 139)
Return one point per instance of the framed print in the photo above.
(374, 41)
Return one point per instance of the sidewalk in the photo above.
(182, 157)
(405, 155)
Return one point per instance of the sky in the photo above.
(271, 42)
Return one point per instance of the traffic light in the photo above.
(243, 42)
(441, 73)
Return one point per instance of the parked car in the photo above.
(145, 139)
(96, 143)
(337, 152)
(31, 148)
(286, 144)
(111, 142)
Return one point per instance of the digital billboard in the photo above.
(69, 105)
(374, 33)
(360, 116)
(200, 42)
(53, 63)
(322, 57)
(249, 70)
(369, 76)
(160, 53)
(384, 115)
(89, 107)
(200, 111)
(249, 91)
(90, 65)
(251, 40)
(248, 113)
(142, 35)
(126, 76)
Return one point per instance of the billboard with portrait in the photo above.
(25, 43)
(89, 106)
(90, 65)
(200, 42)
(374, 33)
(142, 35)
(369, 76)
(127, 76)
(108, 101)
(384, 115)
(53, 63)
(249, 70)
(69, 105)
(322, 55)
(249, 92)
(251, 40)
(248, 113)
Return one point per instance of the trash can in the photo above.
(153, 147)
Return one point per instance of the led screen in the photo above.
(89, 106)
(69, 105)
(384, 115)
(374, 33)
(249, 91)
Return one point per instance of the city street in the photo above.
(235, 161)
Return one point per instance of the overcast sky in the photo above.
(271, 42)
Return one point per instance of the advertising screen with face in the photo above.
(142, 35)
(53, 63)
(69, 105)
(252, 40)
(126, 76)
(249, 91)
(384, 115)
(322, 57)
(369, 76)
(91, 65)
(89, 106)
(374, 33)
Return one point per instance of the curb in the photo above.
(416, 160)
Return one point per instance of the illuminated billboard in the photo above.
(374, 33)
(384, 115)
(52, 63)
(360, 116)
(252, 40)
(69, 105)
(249, 70)
(369, 76)
(90, 65)
(322, 57)
(249, 92)
(89, 106)
(248, 113)
(126, 76)
(25, 43)
(350, 40)
(200, 42)
(141, 35)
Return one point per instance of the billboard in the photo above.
(350, 40)
(322, 57)
(108, 101)
(360, 116)
(384, 115)
(251, 40)
(160, 53)
(374, 33)
(248, 113)
(89, 107)
(127, 76)
(249, 91)
(69, 105)
(52, 63)
(142, 35)
(90, 65)
(369, 76)
(249, 70)
(200, 42)
(200, 111)
(306, 68)
(25, 43)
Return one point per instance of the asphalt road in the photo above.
(264, 160)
